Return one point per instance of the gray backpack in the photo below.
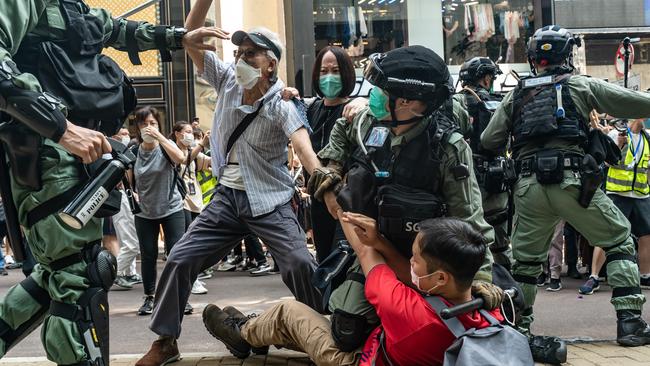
(496, 345)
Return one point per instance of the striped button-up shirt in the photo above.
(262, 149)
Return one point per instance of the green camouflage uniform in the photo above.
(50, 239)
(539, 208)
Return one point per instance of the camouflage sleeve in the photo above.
(461, 116)
(17, 18)
(463, 196)
(343, 138)
(609, 98)
(144, 33)
(496, 134)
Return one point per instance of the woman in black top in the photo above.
(333, 79)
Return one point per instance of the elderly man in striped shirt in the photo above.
(254, 183)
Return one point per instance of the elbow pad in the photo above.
(38, 111)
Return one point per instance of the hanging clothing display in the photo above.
(511, 25)
(479, 22)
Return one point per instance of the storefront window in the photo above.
(589, 13)
(360, 27)
(496, 29)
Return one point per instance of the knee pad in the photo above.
(349, 331)
(102, 268)
(90, 313)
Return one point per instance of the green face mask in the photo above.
(377, 103)
(330, 85)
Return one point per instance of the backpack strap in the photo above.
(455, 326)
(492, 320)
(241, 127)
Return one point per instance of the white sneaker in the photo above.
(9, 259)
(198, 288)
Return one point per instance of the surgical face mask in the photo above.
(247, 75)
(126, 140)
(331, 85)
(187, 139)
(146, 137)
(415, 279)
(377, 103)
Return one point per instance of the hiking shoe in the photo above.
(123, 282)
(631, 329)
(147, 306)
(645, 282)
(188, 309)
(548, 349)
(262, 270)
(198, 288)
(592, 285)
(226, 328)
(134, 279)
(162, 352)
(541, 280)
(207, 274)
(242, 319)
(554, 285)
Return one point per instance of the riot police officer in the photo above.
(477, 76)
(547, 116)
(60, 97)
(405, 162)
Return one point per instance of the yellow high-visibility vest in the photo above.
(627, 177)
(208, 185)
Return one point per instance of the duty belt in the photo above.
(526, 167)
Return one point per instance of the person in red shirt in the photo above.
(447, 253)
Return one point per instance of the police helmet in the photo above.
(413, 73)
(551, 45)
(476, 68)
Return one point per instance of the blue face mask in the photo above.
(377, 103)
(330, 85)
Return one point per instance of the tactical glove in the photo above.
(491, 294)
(324, 179)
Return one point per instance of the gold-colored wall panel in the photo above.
(151, 66)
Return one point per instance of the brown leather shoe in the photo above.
(162, 352)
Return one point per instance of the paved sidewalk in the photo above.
(580, 354)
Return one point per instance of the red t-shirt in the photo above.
(414, 333)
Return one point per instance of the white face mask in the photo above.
(126, 140)
(187, 139)
(146, 137)
(246, 75)
(416, 281)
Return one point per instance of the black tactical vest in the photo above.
(536, 118)
(97, 93)
(480, 115)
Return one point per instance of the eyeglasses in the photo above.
(247, 54)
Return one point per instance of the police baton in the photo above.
(469, 306)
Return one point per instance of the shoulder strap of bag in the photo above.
(455, 326)
(241, 127)
(177, 178)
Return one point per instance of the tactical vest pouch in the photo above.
(499, 174)
(401, 209)
(94, 88)
(549, 167)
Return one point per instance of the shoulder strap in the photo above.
(241, 127)
(492, 320)
(162, 150)
(454, 325)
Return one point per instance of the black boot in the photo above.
(631, 329)
(548, 349)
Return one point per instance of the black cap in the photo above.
(258, 40)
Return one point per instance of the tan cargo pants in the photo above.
(296, 326)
